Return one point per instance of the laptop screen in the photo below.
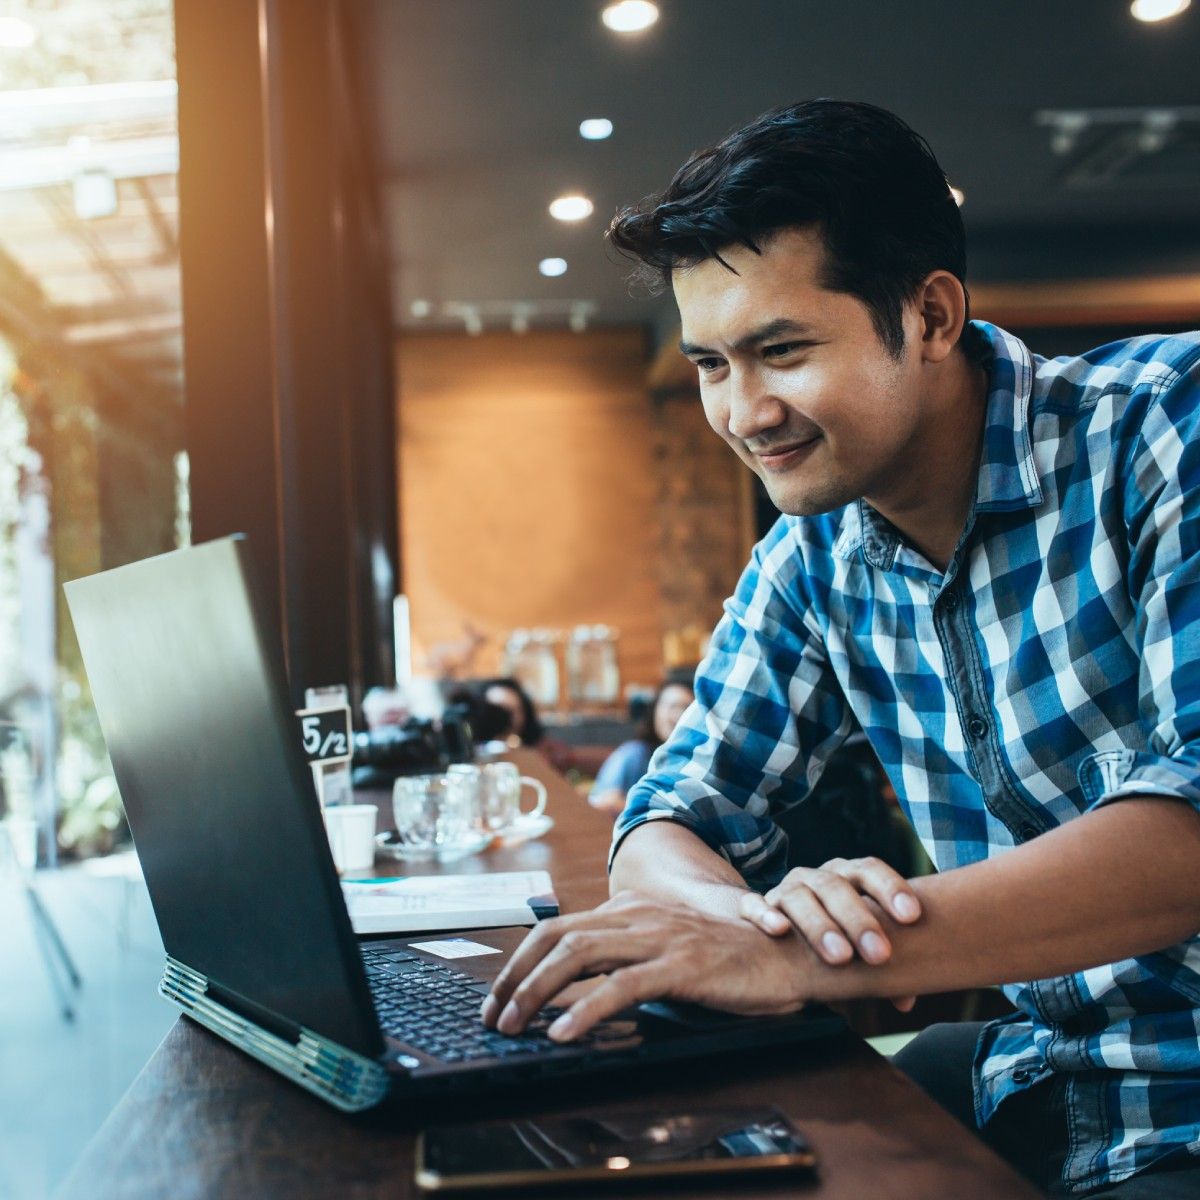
(188, 681)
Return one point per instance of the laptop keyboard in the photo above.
(435, 1009)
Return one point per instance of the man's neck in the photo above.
(930, 508)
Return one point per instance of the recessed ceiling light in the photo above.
(595, 129)
(16, 34)
(1158, 10)
(553, 267)
(570, 208)
(420, 308)
(630, 16)
(959, 196)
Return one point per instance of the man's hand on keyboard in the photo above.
(648, 950)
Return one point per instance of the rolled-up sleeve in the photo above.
(768, 714)
(1162, 515)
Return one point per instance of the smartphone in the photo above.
(610, 1148)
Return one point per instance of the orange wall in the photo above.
(529, 489)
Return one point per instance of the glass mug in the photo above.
(471, 778)
(500, 796)
(434, 815)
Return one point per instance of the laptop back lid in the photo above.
(188, 681)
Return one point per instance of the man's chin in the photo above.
(809, 502)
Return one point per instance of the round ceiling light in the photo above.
(553, 267)
(571, 208)
(630, 16)
(1158, 10)
(595, 129)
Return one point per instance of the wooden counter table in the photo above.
(205, 1121)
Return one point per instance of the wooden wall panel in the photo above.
(529, 488)
(705, 511)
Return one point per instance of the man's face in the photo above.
(796, 380)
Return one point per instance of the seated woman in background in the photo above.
(628, 762)
(525, 727)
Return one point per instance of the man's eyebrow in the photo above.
(764, 333)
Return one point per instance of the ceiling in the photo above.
(475, 107)
(108, 277)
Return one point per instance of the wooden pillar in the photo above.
(279, 299)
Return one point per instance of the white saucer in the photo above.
(388, 847)
(525, 829)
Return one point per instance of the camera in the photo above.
(418, 747)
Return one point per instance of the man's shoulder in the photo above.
(1149, 364)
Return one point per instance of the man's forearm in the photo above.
(1117, 882)
(665, 861)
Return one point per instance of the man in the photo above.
(992, 562)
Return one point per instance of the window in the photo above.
(92, 468)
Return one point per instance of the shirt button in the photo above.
(1027, 833)
(1021, 1075)
(976, 726)
(951, 600)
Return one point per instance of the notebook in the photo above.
(411, 903)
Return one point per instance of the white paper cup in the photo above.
(351, 832)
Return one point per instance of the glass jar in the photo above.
(593, 677)
(529, 657)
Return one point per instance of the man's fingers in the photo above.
(905, 1003)
(625, 987)
(832, 914)
(765, 916)
(887, 886)
(806, 912)
(578, 954)
(852, 914)
(537, 944)
(540, 941)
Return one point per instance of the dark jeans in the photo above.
(1030, 1129)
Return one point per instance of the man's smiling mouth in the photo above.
(775, 458)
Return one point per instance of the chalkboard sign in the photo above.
(325, 734)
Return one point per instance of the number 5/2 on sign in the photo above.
(325, 734)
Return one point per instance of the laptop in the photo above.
(188, 680)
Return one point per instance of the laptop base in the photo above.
(337, 1075)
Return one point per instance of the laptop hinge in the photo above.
(339, 1076)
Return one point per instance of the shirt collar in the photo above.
(1007, 474)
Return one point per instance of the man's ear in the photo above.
(942, 305)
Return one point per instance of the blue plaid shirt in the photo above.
(1053, 667)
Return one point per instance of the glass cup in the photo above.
(433, 815)
(471, 778)
(501, 796)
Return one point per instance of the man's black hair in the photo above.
(857, 173)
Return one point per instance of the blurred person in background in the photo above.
(630, 760)
(525, 726)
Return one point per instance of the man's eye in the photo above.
(709, 364)
(781, 349)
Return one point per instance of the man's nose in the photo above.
(752, 407)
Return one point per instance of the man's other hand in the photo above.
(835, 908)
(648, 951)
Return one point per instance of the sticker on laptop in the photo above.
(454, 948)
